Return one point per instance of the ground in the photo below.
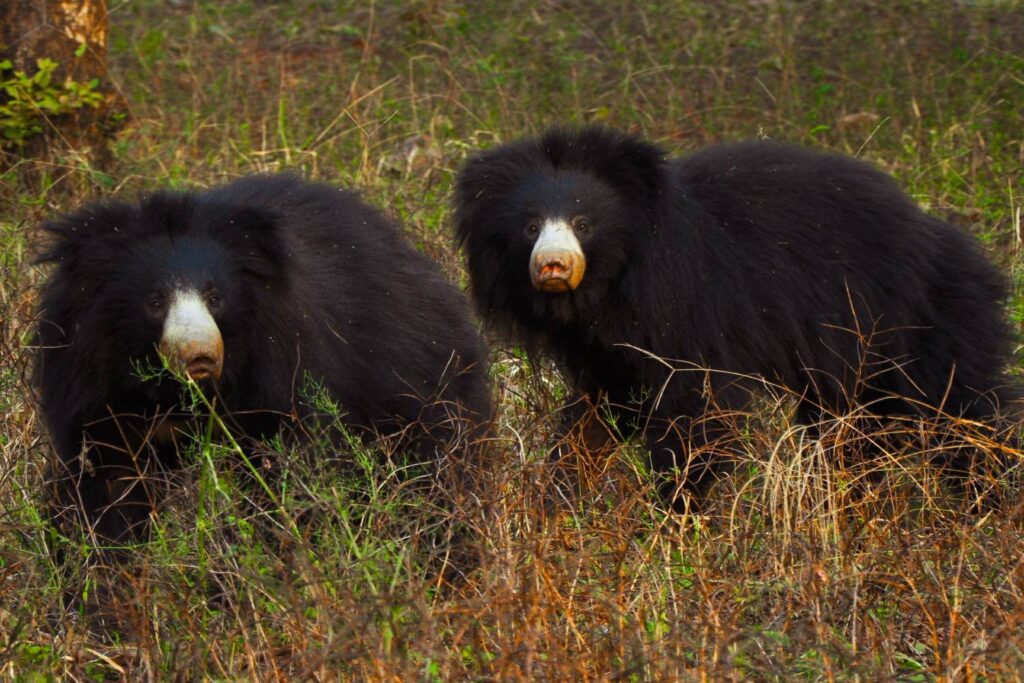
(789, 576)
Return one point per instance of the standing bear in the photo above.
(672, 286)
(257, 291)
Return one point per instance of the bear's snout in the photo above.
(557, 262)
(191, 340)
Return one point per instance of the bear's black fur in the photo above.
(306, 285)
(753, 259)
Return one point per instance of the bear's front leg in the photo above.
(108, 482)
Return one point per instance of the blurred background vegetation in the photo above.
(389, 98)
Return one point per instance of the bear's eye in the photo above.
(213, 300)
(156, 306)
(532, 229)
(582, 225)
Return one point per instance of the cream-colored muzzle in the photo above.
(557, 262)
(191, 340)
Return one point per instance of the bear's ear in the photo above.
(482, 188)
(253, 237)
(87, 239)
(633, 167)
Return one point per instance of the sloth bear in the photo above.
(254, 290)
(675, 285)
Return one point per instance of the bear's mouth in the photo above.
(202, 368)
(201, 360)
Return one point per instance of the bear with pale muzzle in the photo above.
(678, 287)
(252, 291)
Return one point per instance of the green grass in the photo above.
(330, 571)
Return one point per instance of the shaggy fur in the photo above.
(757, 259)
(314, 287)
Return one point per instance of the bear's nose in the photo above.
(191, 340)
(556, 272)
(555, 268)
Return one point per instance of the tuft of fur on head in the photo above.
(632, 166)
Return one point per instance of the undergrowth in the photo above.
(807, 564)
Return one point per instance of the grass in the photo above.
(796, 571)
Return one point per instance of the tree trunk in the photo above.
(72, 33)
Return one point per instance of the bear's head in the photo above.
(549, 225)
(170, 277)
